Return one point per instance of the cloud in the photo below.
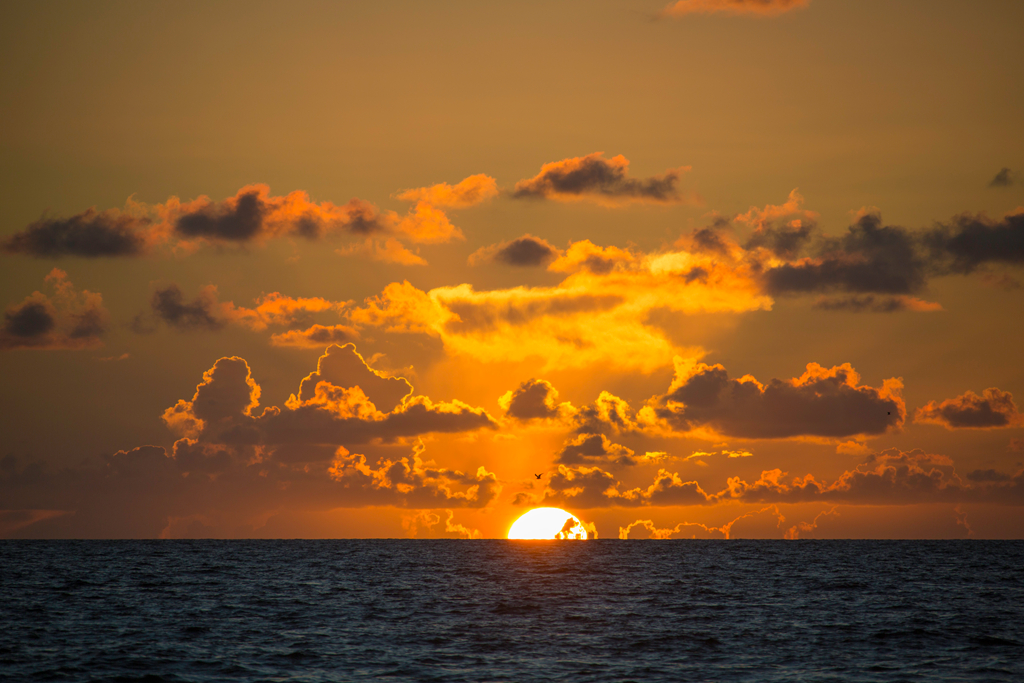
(525, 252)
(385, 251)
(969, 242)
(227, 394)
(253, 216)
(315, 337)
(1002, 179)
(869, 258)
(64, 319)
(534, 399)
(344, 367)
(892, 477)
(594, 448)
(991, 410)
(471, 191)
(591, 487)
(784, 230)
(202, 313)
(826, 402)
(207, 312)
(603, 181)
(597, 314)
(725, 529)
(876, 304)
(89, 234)
(682, 8)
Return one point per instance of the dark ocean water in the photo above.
(511, 611)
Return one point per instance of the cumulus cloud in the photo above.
(533, 399)
(992, 410)
(343, 366)
(682, 8)
(63, 319)
(1002, 179)
(594, 448)
(90, 234)
(235, 460)
(526, 251)
(603, 181)
(826, 402)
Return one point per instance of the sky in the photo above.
(711, 269)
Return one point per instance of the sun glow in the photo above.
(548, 523)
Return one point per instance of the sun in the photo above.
(548, 523)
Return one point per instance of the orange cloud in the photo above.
(595, 315)
(892, 477)
(315, 337)
(603, 181)
(992, 410)
(725, 529)
(207, 312)
(471, 191)
(735, 7)
(64, 319)
(253, 215)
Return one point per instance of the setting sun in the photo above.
(548, 523)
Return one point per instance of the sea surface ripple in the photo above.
(447, 610)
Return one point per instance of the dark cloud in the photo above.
(202, 313)
(1002, 179)
(593, 449)
(870, 258)
(602, 180)
(65, 319)
(526, 251)
(533, 399)
(993, 409)
(969, 242)
(988, 476)
(591, 487)
(784, 241)
(148, 492)
(30, 319)
(236, 221)
(822, 402)
(874, 304)
(91, 234)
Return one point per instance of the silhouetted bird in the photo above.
(539, 475)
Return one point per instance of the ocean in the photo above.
(495, 610)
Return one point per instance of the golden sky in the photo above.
(715, 268)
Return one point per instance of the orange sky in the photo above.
(715, 268)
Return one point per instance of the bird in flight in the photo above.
(539, 475)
